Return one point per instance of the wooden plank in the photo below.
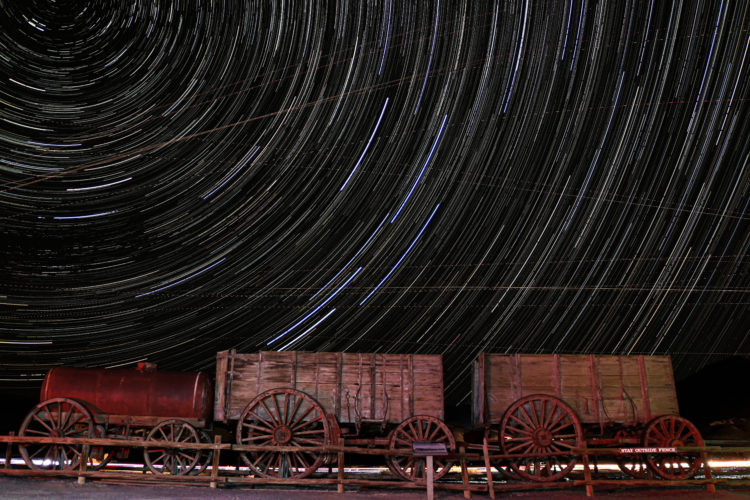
(220, 388)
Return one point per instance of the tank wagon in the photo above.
(537, 409)
(121, 404)
(534, 404)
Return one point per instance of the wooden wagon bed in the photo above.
(354, 387)
(601, 389)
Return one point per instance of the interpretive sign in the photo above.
(428, 448)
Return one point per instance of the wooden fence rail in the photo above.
(477, 453)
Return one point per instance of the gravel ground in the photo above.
(41, 488)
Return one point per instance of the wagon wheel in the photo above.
(206, 456)
(419, 428)
(502, 465)
(100, 456)
(635, 466)
(283, 417)
(540, 424)
(172, 460)
(666, 432)
(55, 418)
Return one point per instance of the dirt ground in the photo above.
(36, 488)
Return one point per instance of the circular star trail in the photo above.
(182, 177)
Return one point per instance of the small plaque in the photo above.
(428, 448)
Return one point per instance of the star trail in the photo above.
(182, 177)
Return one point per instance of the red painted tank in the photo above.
(140, 392)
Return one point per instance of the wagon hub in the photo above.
(282, 434)
(542, 437)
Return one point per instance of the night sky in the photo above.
(183, 177)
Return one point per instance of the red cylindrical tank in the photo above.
(140, 392)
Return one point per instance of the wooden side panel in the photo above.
(242, 382)
(502, 384)
(427, 389)
(577, 388)
(353, 387)
(636, 409)
(538, 374)
(601, 389)
(317, 375)
(358, 387)
(614, 406)
(278, 369)
(662, 397)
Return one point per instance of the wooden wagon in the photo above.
(538, 404)
(304, 399)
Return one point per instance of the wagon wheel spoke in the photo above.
(659, 428)
(308, 423)
(301, 419)
(279, 412)
(251, 425)
(301, 459)
(526, 445)
(520, 433)
(70, 421)
(249, 439)
(437, 435)
(261, 420)
(262, 458)
(547, 420)
(274, 420)
(683, 433)
(536, 413)
(553, 425)
(58, 418)
(405, 442)
(43, 423)
(526, 418)
(297, 404)
(523, 423)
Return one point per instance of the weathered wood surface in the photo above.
(354, 387)
(601, 389)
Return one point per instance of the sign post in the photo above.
(429, 449)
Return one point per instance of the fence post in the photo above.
(215, 462)
(84, 463)
(9, 451)
(587, 472)
(486, 453)
(430, 479)
(710, 487)
(340, 473)
(464, 472)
